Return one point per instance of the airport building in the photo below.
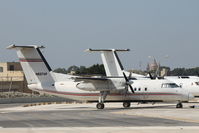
(12, 78)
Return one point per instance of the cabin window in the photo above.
(135, 89)
(181, 84)
(145, 89)
(169, 85)
(139, 89)
(197, 83)
(173, 85)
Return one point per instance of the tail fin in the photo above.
(35, 66)
(111, 61)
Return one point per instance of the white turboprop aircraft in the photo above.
(113, 67)
(40, 78)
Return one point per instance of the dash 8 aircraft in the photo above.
(113, 67)
(41, 78)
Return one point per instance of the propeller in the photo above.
(130, 75)
(150, 75)
(127, 82)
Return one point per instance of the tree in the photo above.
(82, 70)
(73, 68)
(96, 69)
(61, 70)
(185, 72)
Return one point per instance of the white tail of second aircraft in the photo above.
(36, 69)
(111, 61)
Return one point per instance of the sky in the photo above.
(156, 28)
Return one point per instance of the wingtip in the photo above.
(10, 46)
(88, 50)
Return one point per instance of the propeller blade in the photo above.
(130, 75)
(125, 77)
(131, 88)
(151, 77)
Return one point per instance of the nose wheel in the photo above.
(126, 104)
(179, 105)
(100, 106)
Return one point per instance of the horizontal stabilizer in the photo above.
(29, 46)
(103, 50)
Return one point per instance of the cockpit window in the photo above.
(197, 83)
(169, 85)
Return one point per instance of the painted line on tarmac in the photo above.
(159, 116)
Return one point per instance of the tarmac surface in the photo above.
(86, 116)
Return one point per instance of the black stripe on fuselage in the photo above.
(44, 60)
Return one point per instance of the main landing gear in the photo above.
(126, 104)
(100, 104)
(179, 105)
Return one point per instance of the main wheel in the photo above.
(179, 105)
(126, 104)
(100, 106)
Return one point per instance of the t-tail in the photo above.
(36, 69)
(111, 61)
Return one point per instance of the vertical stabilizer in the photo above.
(111, 61)
(35, 66)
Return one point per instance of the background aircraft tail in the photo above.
(35, 67)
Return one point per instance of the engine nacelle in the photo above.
(99, 86)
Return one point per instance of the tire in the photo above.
(179, 105)
(126, 104)
(100, 106)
